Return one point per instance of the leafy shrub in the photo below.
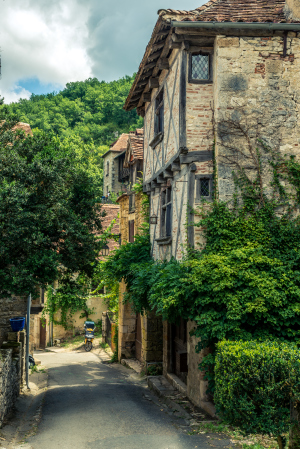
(255, 382)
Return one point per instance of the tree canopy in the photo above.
(49, 211)
(90, 109)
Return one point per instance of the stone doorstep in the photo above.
(162, 387)
(134, 364)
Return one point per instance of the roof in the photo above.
(247, 11)
(234, 11)
(135, 148)
(119, 145)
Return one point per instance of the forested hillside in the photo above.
(90, 109)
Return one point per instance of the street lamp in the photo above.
(153, 219)
(105, 250)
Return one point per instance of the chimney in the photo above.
(292, 9)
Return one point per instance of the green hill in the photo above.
(90, 109)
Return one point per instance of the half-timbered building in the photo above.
(228, 59)
(139, 336)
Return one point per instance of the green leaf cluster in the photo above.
(49, 216)
(255, 384)
(90, 109)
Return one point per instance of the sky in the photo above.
(45, 44)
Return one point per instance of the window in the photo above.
(131, 202)
(107, 168)
(200, 68)
(204, 187)
(131, 231)
(166, 212)
(159, 113)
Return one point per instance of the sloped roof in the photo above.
(247, 11)
(120, 144)
(135, 147)
(234, 11)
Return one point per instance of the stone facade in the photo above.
(10, 307)
(255, 84)
(139, 336)
(111, 183)
(12, 371)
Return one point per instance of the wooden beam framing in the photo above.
(163, 63)
(153, 83)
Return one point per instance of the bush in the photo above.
(255, 383)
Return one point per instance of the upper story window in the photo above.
(200, 67)
(158, 120)
(204, 187)
(107, 168)
(159, 112)
(166, 212)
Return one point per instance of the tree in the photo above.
(49, 216)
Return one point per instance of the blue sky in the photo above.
(45, 44)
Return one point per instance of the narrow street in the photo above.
(92, 404)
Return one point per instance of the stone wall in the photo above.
(11, 362)
(257, 85)
(110, 180)
(10, 307)
(196, 385)
(152, 335)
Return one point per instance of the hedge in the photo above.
(255, 383)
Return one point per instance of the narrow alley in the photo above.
(89, 403)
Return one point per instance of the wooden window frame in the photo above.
(158, 124)
(200, 198)
(165, 206)
(210, 56)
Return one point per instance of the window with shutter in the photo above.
(166, 213)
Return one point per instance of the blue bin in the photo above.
(17, 323)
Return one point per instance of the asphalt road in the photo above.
(90, 404)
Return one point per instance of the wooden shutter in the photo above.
(131, 231)
(168, 220)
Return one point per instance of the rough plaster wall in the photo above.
(199, 111)
(179, 215)
(155, 159)
(254, 83)
(97, 304)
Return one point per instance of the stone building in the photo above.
(226, 61)
(113, 177)
(139, 336)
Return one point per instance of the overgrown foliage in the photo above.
(48, 210)
(255, 383)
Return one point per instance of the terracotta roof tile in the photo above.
(248, 11)
(137, 146)
(235, 11)
(120, 144)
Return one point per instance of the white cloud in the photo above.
(43, 42)
(59, 41)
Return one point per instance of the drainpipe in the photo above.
(27, 339)
(265, 26)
